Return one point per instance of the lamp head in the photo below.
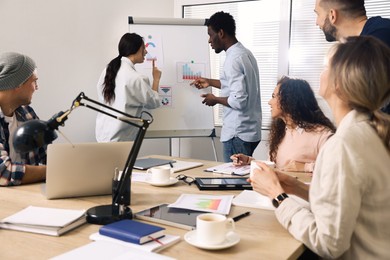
(32, 135)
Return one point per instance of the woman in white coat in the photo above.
(123, 88)
(349, 195)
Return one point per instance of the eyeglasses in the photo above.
(187, 179)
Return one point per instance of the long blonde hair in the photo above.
(360, 66)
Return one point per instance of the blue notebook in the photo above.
(132, 231)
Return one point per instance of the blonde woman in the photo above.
(349, 209)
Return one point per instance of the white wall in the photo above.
(71, 42)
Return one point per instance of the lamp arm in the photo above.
(126, 118)
(119, 198)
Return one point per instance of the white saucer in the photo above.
(172, 180)
(231, 240)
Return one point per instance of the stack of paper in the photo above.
(48, 221)
(102, 250)
(253, 199)
(152, 246)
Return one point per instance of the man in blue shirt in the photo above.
(343, 18)
(240, 88)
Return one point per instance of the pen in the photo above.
(243, 215)
(171, 164)
(222, 172)
(116, 174)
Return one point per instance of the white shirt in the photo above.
(349, 196)
(133, 94)
(13, 124)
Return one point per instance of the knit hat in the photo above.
(15, 69)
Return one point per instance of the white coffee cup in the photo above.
(160, 174)
(255, 166)
(211, 228)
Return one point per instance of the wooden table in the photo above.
(262, 237)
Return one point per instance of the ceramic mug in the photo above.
(255, 166)
(160, 174)
(211, 228)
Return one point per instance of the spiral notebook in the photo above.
(42, 220)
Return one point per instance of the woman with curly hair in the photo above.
(299, 127)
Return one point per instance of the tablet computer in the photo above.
(181, 218)
(146, 163)
(223, 183)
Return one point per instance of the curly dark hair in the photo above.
(222, 21)
(296, 99)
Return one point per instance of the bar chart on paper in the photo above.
(207, 203)
(190, 71)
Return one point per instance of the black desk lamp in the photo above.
(37, 133)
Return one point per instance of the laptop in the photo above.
(83, 169)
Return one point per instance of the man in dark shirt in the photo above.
(343, 18)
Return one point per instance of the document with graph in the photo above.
(208, 203)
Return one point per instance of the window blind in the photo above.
(260, 27)
(308, 46)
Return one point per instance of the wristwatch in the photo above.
(276, 201)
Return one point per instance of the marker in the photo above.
(243, 215)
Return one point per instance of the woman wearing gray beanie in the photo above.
(18, 82)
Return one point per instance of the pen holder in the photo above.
(126, 193)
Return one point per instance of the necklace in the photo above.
(297, 128)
